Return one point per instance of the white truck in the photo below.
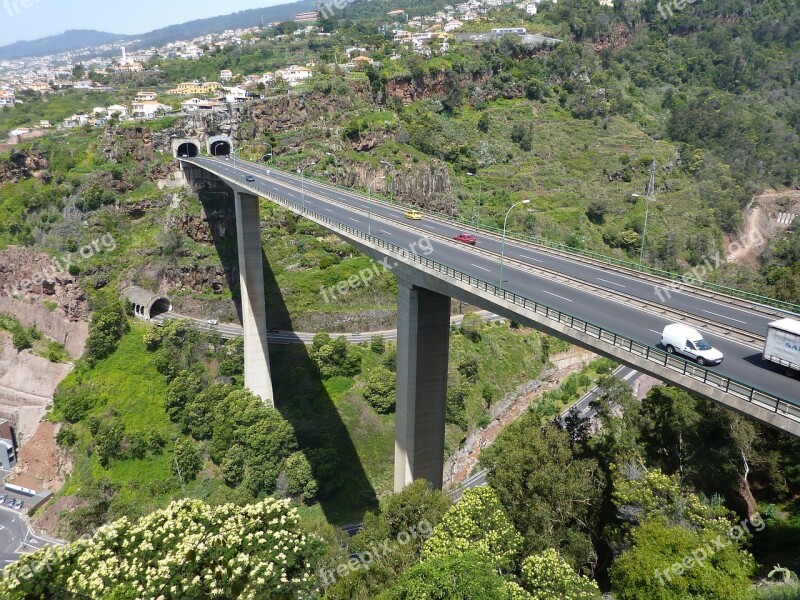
(678, 338)
(783, 345)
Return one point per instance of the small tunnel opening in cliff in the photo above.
(220, 148)
(189, 150)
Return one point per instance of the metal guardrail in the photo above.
(617, 262)
(726, 384)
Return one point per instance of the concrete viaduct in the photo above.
(610, 323)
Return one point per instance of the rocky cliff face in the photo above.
(411, 89)
(424, 184)
(24, 165)
(29, 275)
(121, 142)
(271, 115)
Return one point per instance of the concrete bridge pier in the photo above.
(257, 376)
(423, 330)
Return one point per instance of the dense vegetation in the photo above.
(710, 94)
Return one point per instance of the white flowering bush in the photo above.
(547, 576)
(188, 550)
(477, 523)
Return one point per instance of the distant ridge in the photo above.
(76, 39)
(73, 39)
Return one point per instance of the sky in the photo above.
(34, 19)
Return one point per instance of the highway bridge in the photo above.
(610, 310)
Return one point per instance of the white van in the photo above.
(682, 339)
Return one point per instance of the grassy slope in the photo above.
(329, 413)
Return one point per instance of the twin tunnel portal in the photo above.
(425, 289)
(219, 145)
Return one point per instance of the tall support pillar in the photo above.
(257, 376)
(423, 330)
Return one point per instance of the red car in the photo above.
(466, 238)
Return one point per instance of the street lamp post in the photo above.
(644, 228)
(503, 246)
(477, 218)
(266, 171)
(302, 186)
(391, 193)
(369, 203)
(647, 198)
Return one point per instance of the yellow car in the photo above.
(412, 214)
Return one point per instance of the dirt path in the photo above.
(750, 242)
(460, 464)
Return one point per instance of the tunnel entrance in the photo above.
(160, 306)
(188, 149)
(220, 148)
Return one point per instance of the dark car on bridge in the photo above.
(466, 238)
(249, 178)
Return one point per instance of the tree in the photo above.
(253, 551)
(199, 411)
(377, 344)
(669, 419)
(379, 391)
(334, 358)
(418, 504)
(180, 392)
(300, 481)
(232, 361)
(704, 570)
(108, 443)
(106, 329)
(187, 461)
(450, 577)
(551, 496)
(266, 439)
(484, 123)
(477, 524)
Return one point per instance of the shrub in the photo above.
(66, 437)
(380, 390)
(377, 345)
(300, 482)
(187, 461)
(73, 404)
(106, 329)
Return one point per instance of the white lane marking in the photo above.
(479, 267)
(611, 282)
(386, 232)
(531, 258)
(724, 316)
(556, 295)
(654, 331)
(329, 210)
(354, 220)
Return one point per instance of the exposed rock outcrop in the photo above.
(24, 165)
(410, 89)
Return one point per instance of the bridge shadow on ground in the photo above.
(300, 395)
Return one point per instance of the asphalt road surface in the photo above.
(742, 361)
